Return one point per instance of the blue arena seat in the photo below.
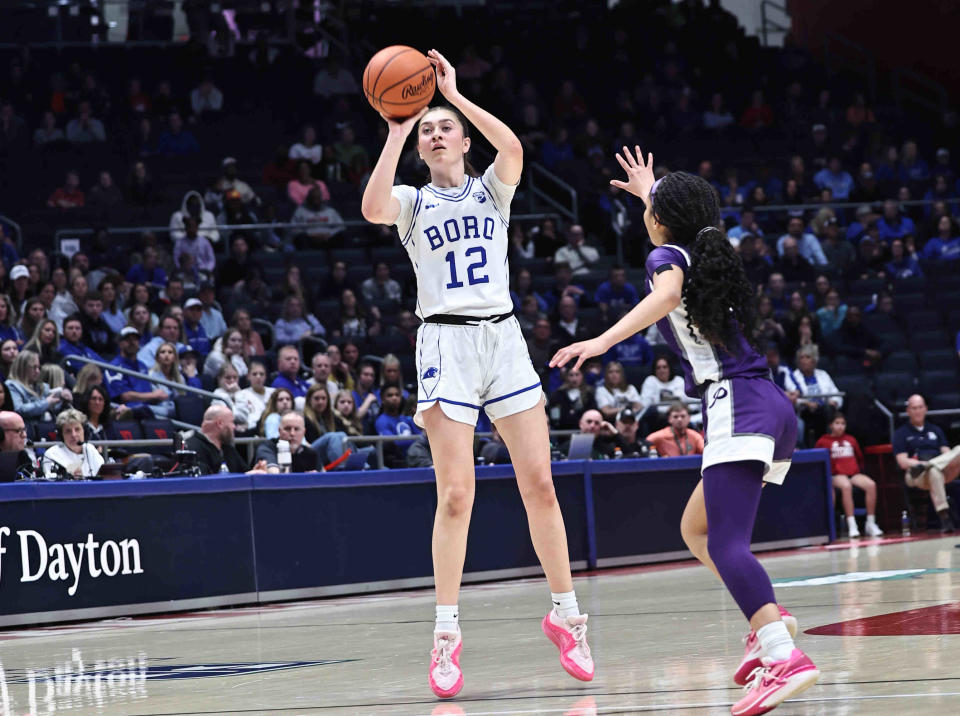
(900, 361)
(128, 429)
(894, 388)
(939, 359)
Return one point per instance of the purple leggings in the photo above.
(731, 493)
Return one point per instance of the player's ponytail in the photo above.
(468, 168)
(717, 295)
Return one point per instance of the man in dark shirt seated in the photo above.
(302, 457)
(19, 463)
(214, 444)
(288, 372)
(921, 449)
(630, 444)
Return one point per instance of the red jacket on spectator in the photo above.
(845, 455)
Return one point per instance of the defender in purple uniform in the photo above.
(700, 298)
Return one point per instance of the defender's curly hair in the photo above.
(717, 294)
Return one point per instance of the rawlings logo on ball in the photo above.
(425, 83)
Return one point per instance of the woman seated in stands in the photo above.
(168, 368)
(616, 393)
(141, 319)
(326, 432)
(252, 343)
(658, 392)
(279, 402)
(294, 324)
(345, 409)
(228, 348)
(45, 342)
(95, 404)
(8, 352)
(570, 401)
(72, 457)
(846, 464)
(32, 398)
(227, 390)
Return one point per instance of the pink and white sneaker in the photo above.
(775, 682)
(752, 650)
(446, 679)
(570, 636)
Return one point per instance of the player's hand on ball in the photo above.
(403, 126)
(446, 75)
(639, 174)
(581, 351)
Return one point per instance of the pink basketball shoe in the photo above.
(570, 636)
(775, 682)
(752, 650)
(446, 679)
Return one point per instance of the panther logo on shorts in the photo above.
(429, 373)
(479, 196)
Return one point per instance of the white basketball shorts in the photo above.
(466, 368)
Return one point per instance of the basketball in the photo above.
(399, 81)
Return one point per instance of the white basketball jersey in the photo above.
(457, 240)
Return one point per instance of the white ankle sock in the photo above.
(871, 519)
(448, 618)
(775, 640)
(566, 604)
(852, 524)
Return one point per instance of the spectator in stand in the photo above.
(791, 264)
(8, 353)
(104, 195)
(72, 343)
(922, 451)
(140, 190)
(632, 351)
(288, 372)
(615, 393)
(521, 246)
(758, 115)
(85, 127)
(33, 399)
(45, 342)
(677, 438)
(197, 246)
(321, 220)
(380, 287)
(902, 264)
(576, 253)
(170, 331)
(542, 345)
(831, 316)
(858, 113)
(137, 393)
(143, 320)
(211, 318)
(563, 286)
(817, 412)
(299, 188)
(747, 226)
(148, 271)
(839, 252)
(893, 224)
(206, 99)
(111, 312)
(567, 326)
(345, 409)
(391, 373)
(307, 148)
(945, 244)
(235, 268)
(392, 422)
(322, 367)
(324, 430)
(570, 400)
(528, 316)
(228, 385)
(48, 132)
(279, 170)
(592, 422)
(69, 196)
(251, 294)
(167, 367)
(868, 189)
(365, 396)
(193, 330)
(354, 321)
(99, 336)
(254, 398)
(757, 266)
(228, 348)
(252, 343)
(94, 403)
(855, 340)
(8, 321)
(768, 329)
(718, 117)
(523, 287)
(193, 207)
(280, 401)
(658, 392)
(352, 160)
(334, 80)
(546, 238)
(846, 465)
(229, 181)
(616, 294)
(628, 438)
(235, 213)
(214, 445)
(33, 312)
(913, 170)
(836, 179)
(293, 324)
(176, 141)
(807, 243)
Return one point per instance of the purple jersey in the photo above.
(702, 361)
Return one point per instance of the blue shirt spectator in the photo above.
(147, 271)
(919, 441)
(193, 329)
(635, 350)
(902, 265)
(72, 344)
(120, 384)
(893, 224)
(834, 178)
(296, 385)
(176, 140)
(616, 295)
(807, 244)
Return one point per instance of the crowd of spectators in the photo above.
(315, 319)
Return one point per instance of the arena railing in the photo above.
(7, 221)
(76, 232)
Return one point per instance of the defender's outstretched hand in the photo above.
(446, 75)
(581, 351)
(639, 174)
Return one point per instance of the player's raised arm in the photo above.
(508, 163)
(378, 205)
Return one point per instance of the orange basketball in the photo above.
(399, 81)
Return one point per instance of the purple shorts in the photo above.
(749, 419)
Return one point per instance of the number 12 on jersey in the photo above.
(472, 277)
